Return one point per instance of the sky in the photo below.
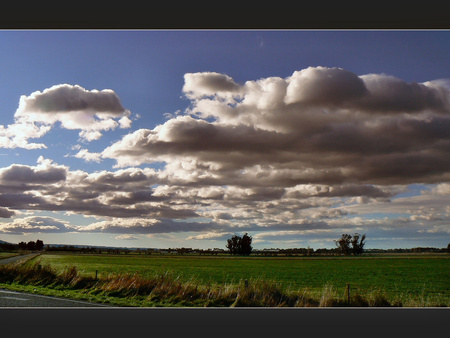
(183, 138)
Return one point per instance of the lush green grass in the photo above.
(413, 280)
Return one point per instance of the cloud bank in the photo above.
(314, 154)
(321, 125)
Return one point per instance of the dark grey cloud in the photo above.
(6, 213)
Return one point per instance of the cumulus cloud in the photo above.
(58, 102)
(17, 135)
(389, 94)
(72, 106)
(321, 125)
(209, 84)
(88, 156)
(44, 173)
(324, 87)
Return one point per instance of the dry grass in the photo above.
(166, 290)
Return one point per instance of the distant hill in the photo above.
(3, 242)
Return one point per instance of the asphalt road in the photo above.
(20, 299)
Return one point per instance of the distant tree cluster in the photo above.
(33, 246)
(349, 244)
(238, 245)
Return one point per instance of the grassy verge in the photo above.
(8, 254)
(165, 290)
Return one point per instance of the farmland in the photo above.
(409, 280)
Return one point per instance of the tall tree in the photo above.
(39, 245)
(233, 244)
(349, 244)
(246, 245)
(238, 245)
(343, 244)
(31, 245)
(358, 242)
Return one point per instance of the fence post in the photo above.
(348, 293)
(96, 274)
(246, 283)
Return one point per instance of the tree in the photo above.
(238, 245)
(233, 244)
(39, 245)
(349, 244)
(343, 244)
(31, 245)
(358, 244)
(246, 245)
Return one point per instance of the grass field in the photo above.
(413, 280)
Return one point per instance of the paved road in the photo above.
(20, 299)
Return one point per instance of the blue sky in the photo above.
(188, 95)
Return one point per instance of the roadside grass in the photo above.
(167, 290)
(4, 254)
(413, 280)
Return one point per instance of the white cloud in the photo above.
(90, 135)
(73, 106)
(127, 237)
(324, 87)
(35, 224)
(88, 156)
(209, 84)
(16, 135)
(215, 236)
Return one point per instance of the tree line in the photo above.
(346, 245)
(31, 245)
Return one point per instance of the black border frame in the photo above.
(223, 16)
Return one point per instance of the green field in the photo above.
(415, 280)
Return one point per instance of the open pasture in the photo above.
(412, 279)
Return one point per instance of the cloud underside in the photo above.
(286, 157)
